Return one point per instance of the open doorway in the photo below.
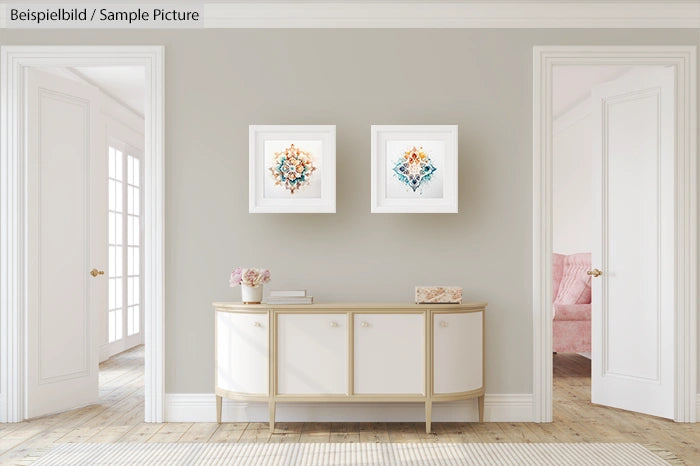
(613, 235)
(642, 228)
(85, 143)
(572, 228)
(106, 211)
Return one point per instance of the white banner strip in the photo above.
(358, 14)
(102, 16)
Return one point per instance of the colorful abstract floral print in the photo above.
(292, 168)
(414, 168)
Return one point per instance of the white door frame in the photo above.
(13, 216)
(683, 58)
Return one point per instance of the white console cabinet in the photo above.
(349, 353)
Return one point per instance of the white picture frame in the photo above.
(427, 186)
(312, 190)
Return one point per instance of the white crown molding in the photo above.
(201, 407)
(464, 14)
(572, 116)
(77, 74)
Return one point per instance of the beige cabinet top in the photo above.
(364, 307)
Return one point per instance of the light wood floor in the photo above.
(119, 418)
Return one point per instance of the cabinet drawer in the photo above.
(242, 352)
(389, 354)
(457, 352)
(311, 354)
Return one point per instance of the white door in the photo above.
(633, 243)
(66, 233)
(312, 354)
(389, 354)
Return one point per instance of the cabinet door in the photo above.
(457, 352)
(389, 354)
(242, 352)
(311, 354)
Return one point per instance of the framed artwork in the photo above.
(414, 168)
(292, 168)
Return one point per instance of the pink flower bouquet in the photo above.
(249, 276)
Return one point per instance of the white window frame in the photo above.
(128, 341)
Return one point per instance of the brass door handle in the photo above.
(594, 273)
(95, 272)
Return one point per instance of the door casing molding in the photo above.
(683, 58)
(14, 60)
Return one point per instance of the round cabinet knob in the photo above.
(443, 323)
(257, 324)
(334, 324)
(364, 324)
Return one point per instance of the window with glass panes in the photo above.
(124, 311)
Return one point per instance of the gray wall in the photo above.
(220, 81)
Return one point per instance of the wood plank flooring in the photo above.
(119, 418)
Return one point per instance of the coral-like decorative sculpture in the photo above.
(439, 294)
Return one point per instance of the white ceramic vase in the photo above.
(251, 294)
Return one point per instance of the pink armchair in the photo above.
(571, 288)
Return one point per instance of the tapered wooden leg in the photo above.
(218, 409)
(428, 415)
(272, 415)
(481, 408)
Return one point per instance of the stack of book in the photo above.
(289, 297)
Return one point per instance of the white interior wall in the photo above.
(571, 203)
(486, 92)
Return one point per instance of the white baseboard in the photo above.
(201, 407)
(697, 407)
